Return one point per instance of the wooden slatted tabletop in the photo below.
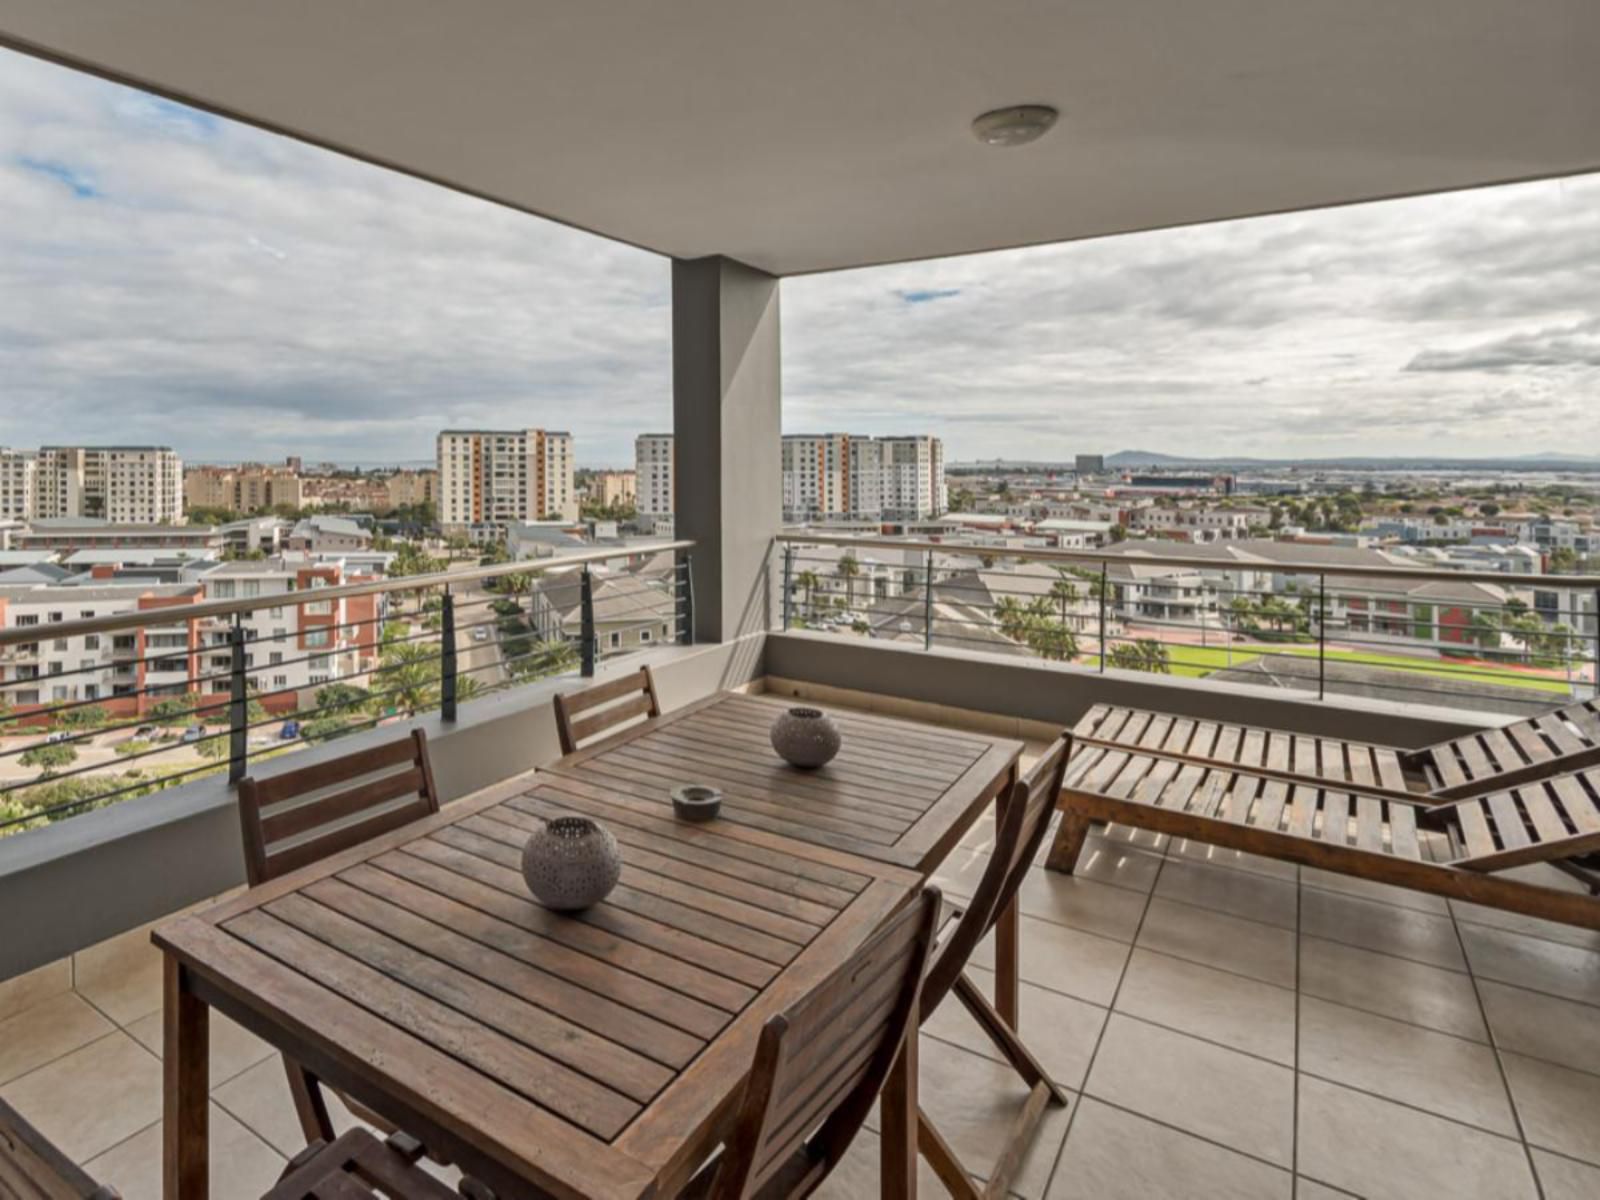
(592, 1054)
(899, 792)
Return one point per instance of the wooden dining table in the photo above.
(593, 1054)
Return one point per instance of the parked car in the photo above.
(194, 733)
(145, 731)
(480, 634)
(290, 731)
(60, 736)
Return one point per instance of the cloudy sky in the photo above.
(169, 277)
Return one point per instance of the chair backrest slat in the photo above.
(1561, 739)
(820, 1065)
(1019, 832)
(610, 704)
(293, 819)
(33, 1169)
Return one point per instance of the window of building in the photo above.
(644, 635)
(91, 641)
(616, 640)
(316, 637)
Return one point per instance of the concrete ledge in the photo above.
(80, 881)
(1057, 695)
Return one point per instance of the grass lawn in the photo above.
(1432, 666)
(1199, 661)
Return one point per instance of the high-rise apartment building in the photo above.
(121, 484)
(490, 478)
(653, 474)
(838, 475)
(248, 488)
(17, 469)
(611, 488)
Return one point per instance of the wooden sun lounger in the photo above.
(1554, 742)
(1449, 849)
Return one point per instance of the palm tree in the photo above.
(809, 580)
(1066, 592)
(847, 569)
(1009, 615)
(411, 672)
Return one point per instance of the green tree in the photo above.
(848, 569)
(49, 757)
(410, 675)
(809, 580)
(1066, 592)
(90, 716)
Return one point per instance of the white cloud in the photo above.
(168, 276)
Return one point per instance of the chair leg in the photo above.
(1014, 1148)
(943, 1160)
(309, 1105)
(1069, 842)
(1006, 1041)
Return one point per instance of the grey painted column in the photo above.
(726, 407)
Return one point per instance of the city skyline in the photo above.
(238, 295)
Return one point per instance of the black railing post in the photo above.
(1103, 617)
(788, 585)
(238, 704)
(686, 634)
(447, 657)
(1322, 636)
(586, 635)
(927, 604)
(1577, 621)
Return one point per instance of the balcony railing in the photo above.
(247, 684)
(1418, 635)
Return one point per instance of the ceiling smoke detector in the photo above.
(1016, 125)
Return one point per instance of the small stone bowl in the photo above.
(696, 801)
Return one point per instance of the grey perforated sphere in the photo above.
(805, 737)
(571, 863)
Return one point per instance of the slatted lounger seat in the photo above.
(1563, 739)
(1449, 849)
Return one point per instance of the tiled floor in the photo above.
(1227, 1027)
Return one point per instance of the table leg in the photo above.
(898, 1139)
(186, 1077)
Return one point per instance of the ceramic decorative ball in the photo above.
(571, 863)
(805, 737)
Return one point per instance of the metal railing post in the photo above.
(686, 636)
(447, 657)
(1577, 623)
(238, 704)
(1322, 636)
(586, 633)
(1103, 617)
(788, 585)
(927, 604)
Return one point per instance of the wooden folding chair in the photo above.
(1023, 824)
(615, 702)
(1450, 849)
(300, 817)
(31, 1168)
(820, 1065)
(357, 1166)
(1534, 748)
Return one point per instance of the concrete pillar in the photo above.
(726, 409)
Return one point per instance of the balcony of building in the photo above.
(1224, 1025)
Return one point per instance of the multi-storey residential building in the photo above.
(653, 474)
(612, 488)
(248, 488)
(490, 478)
(410, 488)
(17, 471)
(85, 533)
(126, 484)
(839, 476)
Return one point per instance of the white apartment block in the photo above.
(837, 476)
(492, 478)
(653, 474)
(135, 485)
(17, 471)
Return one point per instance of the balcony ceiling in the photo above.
(807, 135)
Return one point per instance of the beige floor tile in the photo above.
(1064, 960)
(1310, 1189)
(1443, 1074)
(1115, 1155)
(121, 976)
(1058, 1030)
(857, 1175)
(1113, 861)
(1563, 1179)
(1210, 1091)
(93, 1098)
(1542, 1026)
(259, 1097)
(233, 1047)
(973, 1101)
(47, 1031)
(1216, 1005)
(1395, 987)
(1081, 903)
(1368, 889)
(1237, 893)
(961, 870)
(1189, 850)
(1560, 1108)
(1386, 1151)
(1215, 939)
(1533, 963)
(32, 988)
(1138, 839)
(1404, 932)
(243, 1167)
(1572, 935)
